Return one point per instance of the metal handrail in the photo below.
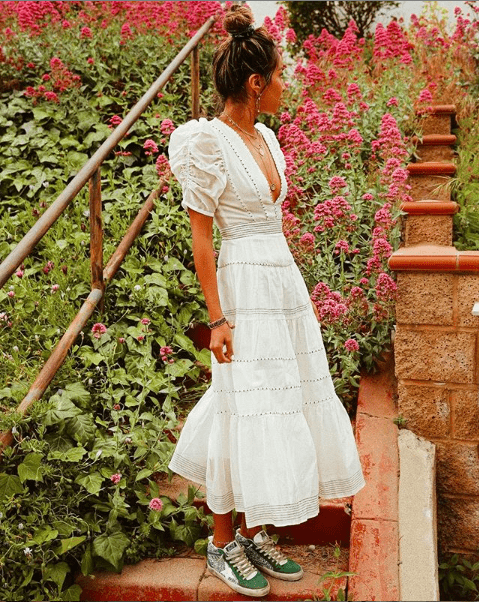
(35, 234)
(91, 172)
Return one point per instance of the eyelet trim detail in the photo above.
(230, 178)
(266, 265)
(256, 389)
(270, 359)
(268, 311)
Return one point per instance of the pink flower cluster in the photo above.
(98, 330)
(150, 147)
(165, 353)
(391, 42)
(331, 306)
(156, 504)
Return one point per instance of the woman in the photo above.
(270, 435)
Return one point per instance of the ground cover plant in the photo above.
(81, 487)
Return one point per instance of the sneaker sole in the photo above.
(282, 576)
(257, 593)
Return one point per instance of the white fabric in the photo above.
(270, 434)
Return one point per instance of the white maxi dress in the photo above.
(270, 435)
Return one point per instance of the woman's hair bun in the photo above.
(238, 19)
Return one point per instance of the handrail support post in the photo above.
(96, 235)
(195, 82)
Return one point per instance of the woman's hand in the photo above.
(315, 309)
(222, 337)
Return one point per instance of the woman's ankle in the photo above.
(249, 533)
(220, 544)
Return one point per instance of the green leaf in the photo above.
(173, 264)
(56, 573)
(145, 472)
(10, 485)
(82, 428)
(68, 544)
(87, 565)
(44, 534)
(63, 409)
(72, 594)
(91, 482)
(77, 392)
(30, 469)
(28, 578)
(111, 547)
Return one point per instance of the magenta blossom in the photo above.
(167, 127)
(98, 330)
(145, 321)
(156, 504)
(351, 345)
(116, 478)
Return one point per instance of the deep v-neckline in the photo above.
(230, 129)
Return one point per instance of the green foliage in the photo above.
(459, 579)
(310, 18)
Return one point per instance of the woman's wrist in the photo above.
(217, 323)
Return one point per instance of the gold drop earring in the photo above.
(258, 103)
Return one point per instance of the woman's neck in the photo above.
(242, 114)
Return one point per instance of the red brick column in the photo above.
(437, 338)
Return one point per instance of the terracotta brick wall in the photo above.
(437, 347)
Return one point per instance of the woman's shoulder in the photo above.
(196, 132)
(265, 130)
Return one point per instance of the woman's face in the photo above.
(271, 96)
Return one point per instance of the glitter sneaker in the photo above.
(262, 552)
(232, 566)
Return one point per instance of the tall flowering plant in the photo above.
(345, 135)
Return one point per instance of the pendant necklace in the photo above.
(254, 137)
(259, 149)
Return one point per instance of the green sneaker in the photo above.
(232, 566)
(262, 552)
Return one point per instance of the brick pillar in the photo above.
(436, 343)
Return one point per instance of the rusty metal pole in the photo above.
(195, 83)
(96, 234)
(96, 295)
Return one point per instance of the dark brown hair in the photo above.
(245, 52)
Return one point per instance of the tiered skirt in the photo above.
(270, 435)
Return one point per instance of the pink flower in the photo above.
(150, 147)
(392, 102)
(156, 504)
(51, 96)
(46, 77)
(121, 340)
(351, 345)
(11, 294)
(115, 120)
(140, 338)
(145, 321)
(55, 287)
(162, 166)
(90, 60)
(425, 96)
(290, 36)
(19, 273)
(307, 239)
(98, 330)
(336, 183)
(85, 33)
(167, 127)
(116, 478)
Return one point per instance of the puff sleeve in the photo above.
(197, 162)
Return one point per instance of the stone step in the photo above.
(187, 578)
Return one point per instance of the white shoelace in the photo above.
(240, 561)
(269, 548)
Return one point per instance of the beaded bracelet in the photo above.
(217, 324)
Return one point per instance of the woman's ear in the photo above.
(256, 83)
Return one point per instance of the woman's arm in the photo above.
(203, 253)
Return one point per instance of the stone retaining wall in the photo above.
(437, 338)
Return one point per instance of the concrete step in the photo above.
(186, 578)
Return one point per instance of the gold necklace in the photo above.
(254, 137)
